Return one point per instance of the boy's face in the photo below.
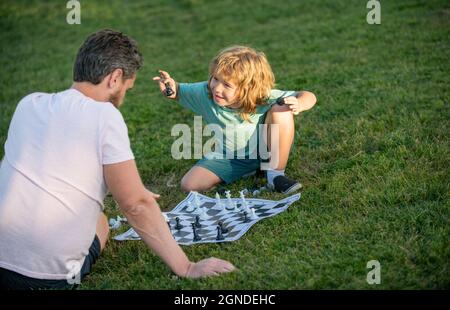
(223, 91)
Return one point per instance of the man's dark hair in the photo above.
(103, 52)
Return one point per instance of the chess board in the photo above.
(232, 220)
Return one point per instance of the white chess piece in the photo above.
(244, 204)
(190, 207)
(196, 200)
(253, 215)
(219, 203)
(228, 194)
(230, 204)
(241, 193)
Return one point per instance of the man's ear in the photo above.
(115, 78)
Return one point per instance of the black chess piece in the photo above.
(222, 228)
(168, 91)
(219, 233)
(280, 101)
(196, 236)
(178, 226)
(197, 222)
(168, 224)
(246, 219)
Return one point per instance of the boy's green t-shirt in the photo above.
(237, 133)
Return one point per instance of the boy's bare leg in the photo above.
(283, 118)
(102, 230)
(199, 179)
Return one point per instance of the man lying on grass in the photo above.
(64, 151)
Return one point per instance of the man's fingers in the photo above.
(155, 195)
(222, 265)
(229, 267)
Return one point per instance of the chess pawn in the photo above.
(246, 219)
(230, 203)
(196, 200)
(190, 207)
(178, 225)
(219, 202)
(223, 229)
(219, 233)
(253, 215)
(196, 235)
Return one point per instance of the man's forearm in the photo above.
(148, 222)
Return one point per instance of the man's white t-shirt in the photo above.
(51, 180)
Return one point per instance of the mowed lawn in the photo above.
(372, 155)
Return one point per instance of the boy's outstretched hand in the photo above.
(167, 85)
(209, 267)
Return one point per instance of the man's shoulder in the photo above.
(35, 96)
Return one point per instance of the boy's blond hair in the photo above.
(250, 71)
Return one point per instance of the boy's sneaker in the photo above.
(283, 185)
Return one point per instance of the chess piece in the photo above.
(196, 200)
(190, 208)
(168, 224)
(219, 202)
(246, 219)
(168, 91)
(219, 234)
(222, 228)
(253, 215)
(178, 226)
(231, 206)
(197, 222)
(196, 236)
(242, 195)
(244, 204)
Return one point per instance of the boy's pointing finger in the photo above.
(164, 74)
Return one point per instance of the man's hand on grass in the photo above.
(209, 267)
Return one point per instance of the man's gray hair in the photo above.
(103, 52)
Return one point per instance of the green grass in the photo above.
(372, 154)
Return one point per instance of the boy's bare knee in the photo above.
(279, 109)
(186, 185)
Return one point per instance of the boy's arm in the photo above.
(165, 81)
(189, 95)
(301, 101)
(306, 100)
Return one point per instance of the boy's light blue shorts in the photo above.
(230, 170)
